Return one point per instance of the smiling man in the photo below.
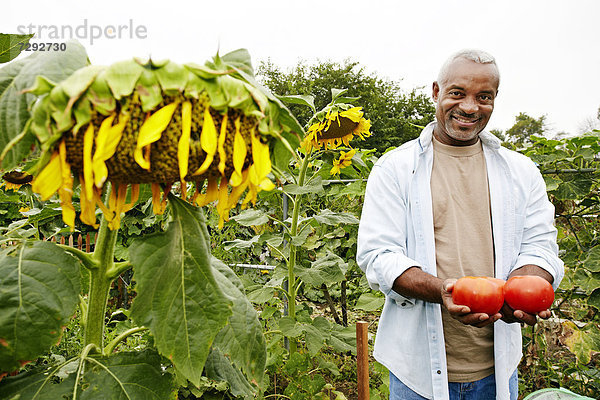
(449, 204)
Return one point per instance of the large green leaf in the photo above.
(242, 339)
(575, 188)
(582, 342)
(12, 45)
(39, 288)
(178, 296)
(15, 106)
(305, 100)
(219, 368)
(325, 270)
(592, 261)
(313, 186)
(369, 301)
(251, 217)
(333, 218)
(126, 376)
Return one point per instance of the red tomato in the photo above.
(528, 293)
(480, 294)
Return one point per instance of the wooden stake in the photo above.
(362, 359)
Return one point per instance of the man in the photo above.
(454, 203)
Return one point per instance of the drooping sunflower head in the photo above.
(335, 125)
(159, 123)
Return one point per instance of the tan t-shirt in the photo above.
(463, 247)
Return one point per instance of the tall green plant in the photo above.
(202, 325)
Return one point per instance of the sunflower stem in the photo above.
(292, 288)
(100, 282)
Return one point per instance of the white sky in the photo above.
(547, 50)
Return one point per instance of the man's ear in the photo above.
(435, 91)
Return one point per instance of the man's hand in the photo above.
(463, 313)
(511, 316)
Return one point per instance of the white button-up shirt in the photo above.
(396, 233)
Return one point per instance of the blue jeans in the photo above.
(483, 389)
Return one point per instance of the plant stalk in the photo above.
(293, 250)
(100, 283)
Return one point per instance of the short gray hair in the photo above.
(478, 56)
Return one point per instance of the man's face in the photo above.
(465, 101)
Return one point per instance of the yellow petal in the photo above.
(65, 192)
(135, 194)
(48, 181)
(223, 203)
(354, 114)
(98, 166)
(88, 172)
(151, 131)
(239, 155)
(336, 168)
(221, 143)
(208, 141)
(210, 195)
(237, 191)
(266, 184)
(250, 196)
(106, 144)
(156, 198)
(261, 158)
(98, 201)
(183, 149)
(120, 197)
(88, 208)
(112, 200)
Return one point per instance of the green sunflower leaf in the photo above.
(325, 270)
(242, 339)
(20, 75)
(369, 301)
(100, 95)
(149, 91)
(178, 298)
(39, 288)
(219, 368)
(11, 45)
(251, 217)
(172, 77)
(592, 261)
(122, 77)
(127, 375)
(313, 186)
(582, 342)
(329, 217)
(305, 100)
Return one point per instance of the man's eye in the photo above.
(455, 93)
(486, 97)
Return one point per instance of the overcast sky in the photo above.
(547, 50)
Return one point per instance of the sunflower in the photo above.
(153, 123)
(345, 160)
(336, 125)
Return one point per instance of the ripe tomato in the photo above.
(528, 293)
(480, 294)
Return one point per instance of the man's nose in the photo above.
(469, 105)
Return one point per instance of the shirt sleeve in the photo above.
(382, 234)
(538, 244)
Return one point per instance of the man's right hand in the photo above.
(463, 313)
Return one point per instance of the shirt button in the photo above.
(439, 372)
(403, 304)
